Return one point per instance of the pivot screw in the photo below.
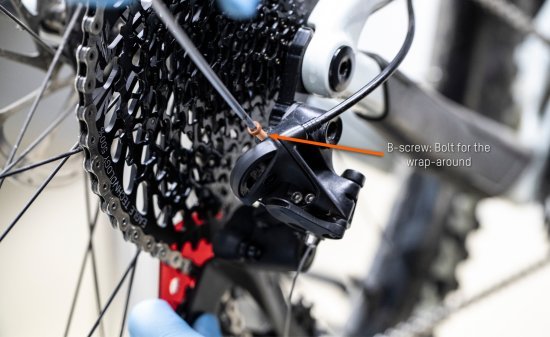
(309, 198)
(341, 68)
(296, 197)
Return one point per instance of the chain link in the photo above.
(153, 126)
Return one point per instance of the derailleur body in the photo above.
(296, 182)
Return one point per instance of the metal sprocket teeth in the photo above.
(159, 141)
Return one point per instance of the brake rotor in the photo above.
(159, 141)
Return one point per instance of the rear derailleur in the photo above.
(294, 183)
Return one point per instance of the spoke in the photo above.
(35, 60)
(36, 194)
(27, 29)
(76, 292)
(44, 85)
(96, 286)
(91, 248)
(40, 138)
(128, 294)
(81, 273)
(41, 163)
(23, 12)
(53, 87)
(115, 291)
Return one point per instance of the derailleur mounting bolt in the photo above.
(296, 197)
(309, 198)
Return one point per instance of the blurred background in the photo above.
(40, 259)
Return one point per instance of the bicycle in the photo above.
(125, 124)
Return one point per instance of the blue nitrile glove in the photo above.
(239, 9)
(155, 318)
(235, 9)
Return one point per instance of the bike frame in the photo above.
(409, 115)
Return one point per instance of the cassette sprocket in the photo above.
(159, 141)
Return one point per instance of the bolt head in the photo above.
(296, 197)
(341, 68)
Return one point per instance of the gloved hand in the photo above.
(155, 318)
(235, 9)
(239, 9)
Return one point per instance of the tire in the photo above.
(415, 265)
(432, 220)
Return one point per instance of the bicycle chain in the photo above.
(233, 322)
(144, 105)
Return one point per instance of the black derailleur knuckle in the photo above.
(296, 182)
